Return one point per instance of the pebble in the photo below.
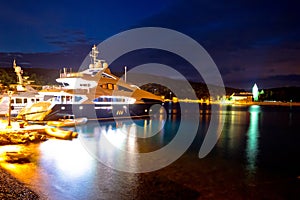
(11, 188)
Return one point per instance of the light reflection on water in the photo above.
(252, 139)
(119, 143)
(71, 161)
(234, 129)
(65, 170)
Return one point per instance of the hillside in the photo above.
(48, 76)
(284, 94)
(39, 75)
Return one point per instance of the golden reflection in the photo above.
(233, 126)
(145, 128)
(6, 149)
(122, 137)
(117, 144)
(25, 171)
(10, 148)
(115, 137)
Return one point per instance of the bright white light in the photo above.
(71, 160)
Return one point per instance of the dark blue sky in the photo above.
(250, 41)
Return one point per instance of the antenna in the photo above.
(19, 72)
(125, 75)
(94, 55)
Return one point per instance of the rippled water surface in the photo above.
(256, 156)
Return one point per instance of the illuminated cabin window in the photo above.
(18, 100)
(69, 98)
(119, 100)
(110, 86)
(108, 99)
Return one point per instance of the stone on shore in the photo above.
(21, 137)
(11, 188)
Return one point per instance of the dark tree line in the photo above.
(7, 77)
(48, 76)
(38, 76)
(284, 94)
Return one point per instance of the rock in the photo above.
(17, 157)
(21, 138)
(4, 140)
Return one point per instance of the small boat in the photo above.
(59, 133)
(68, 122)
(74, 135)
(24, 94)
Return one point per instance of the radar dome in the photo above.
(105, 65)
(18, 69)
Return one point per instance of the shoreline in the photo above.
(11, 188)
(268, 103)
(260, 103)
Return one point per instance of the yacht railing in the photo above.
(70, 75)
(65, 73)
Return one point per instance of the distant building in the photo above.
(255, 92)
(241, 97)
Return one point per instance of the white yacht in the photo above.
(22, 94)
(94, 93)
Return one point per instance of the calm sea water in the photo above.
(256, 156)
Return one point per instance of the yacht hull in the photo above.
(100, 112)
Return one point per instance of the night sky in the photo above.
(250, 41)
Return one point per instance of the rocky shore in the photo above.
(19, 137)
(11, 188)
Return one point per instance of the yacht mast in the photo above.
(19, 72)
(93, 56)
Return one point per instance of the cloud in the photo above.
(290, 77)
(233, 25)
(67, 39)
(227, 70)
(280, 81)
(247, 40)
(69, 57)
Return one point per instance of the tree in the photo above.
(7, 77)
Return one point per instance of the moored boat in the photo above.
(68, 122)
(95, 93)
(59, 133)
(24, 94)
